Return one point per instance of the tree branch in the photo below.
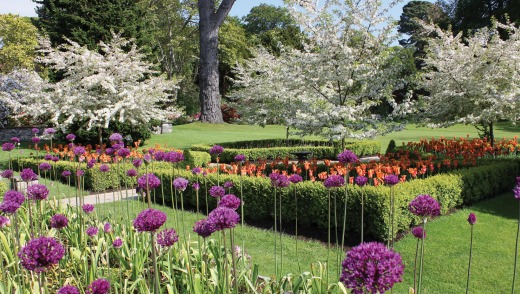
(222, 12)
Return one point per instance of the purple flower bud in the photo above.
(92, 231)
(66, 173)
(88, 208)
(99, 286)
(117, 243)
(347, 156)
(35, 140)
(131, 173)
(180, 183)
(107, 228)
(167, 237)
(472, 218)
(104, 168)
(70, 137)
(49, 131)
(45, 166)
(418, 232)
(35, 130)
(8, 146)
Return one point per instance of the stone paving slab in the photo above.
(107, 197)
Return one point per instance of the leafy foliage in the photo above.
(18, 41)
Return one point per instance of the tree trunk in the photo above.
(491, 135)
(210, 20)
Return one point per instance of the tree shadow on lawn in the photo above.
(504, 205)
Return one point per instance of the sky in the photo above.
(240, 8)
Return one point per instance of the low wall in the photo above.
(24, 133)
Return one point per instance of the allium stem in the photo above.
(422, 256)
(155, 269)
(233, 258)
(280, 230)
(362, 214)
(328, 238)
(516, 250)
(344, 212)
(415, 267)
(392, 196)
(275, 261)
(469, 263)
(296, 229)
(241, 198)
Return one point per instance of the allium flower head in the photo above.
(80, 173)
(516, 191)
(47, 157)
(334, 181)
(217, 191)
(167, 237)
(49, 131)
(424, 205)
(8, 146)
(107, 228)
(88, 208)
(28, 175)
(196, 170)
(148, 181)
(40, 254)
(371, 268)
(174, 157)
(361, 181)
(14, 196)
(203, 228)
(123, 152)
(109, 151)
(137, 162)
(240, 158)
(158, 155)
(347, 156)
(195, 186)
(228, 184)
(35, 130)
(7, 174)
(15, 140)
(4, 221)
(229, 201)
(418, 232)
(70, 137)
(35, 140)
(149, 220)
(216, 150)
(104, 168)
(472, 218)
(223, 218)
(99, 286)
(116, 137)
(59, 221)
(279, 180)
(131, 173)
(117, 243)
(69, 289)
(9, 207)
(180, 184)
(79, 150)
(391, 180)
(92, 231)
(295, 178)
(55, 159)
(37, 192)
(66, 173)
(45, 166)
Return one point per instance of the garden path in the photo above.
(104, 197)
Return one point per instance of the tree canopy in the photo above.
(18, 42)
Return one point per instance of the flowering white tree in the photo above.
(329, 87)
(474, 80)
(100, 87)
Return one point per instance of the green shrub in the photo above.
(196, 158)
(4, 186)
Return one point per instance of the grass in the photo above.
(258, 243)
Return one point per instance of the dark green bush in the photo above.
(196, 158)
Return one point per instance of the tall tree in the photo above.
(18, 43)
(211, 18)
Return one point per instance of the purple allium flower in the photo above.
(216, 149)
(47, 157)
(361, 181)
(35, 140)
(131, 173)
(45, 166)
(149, 220)
(149, 180)
(472, 218)
(70, 137)
(49, 131)
(40, 254)
(195, 186)
(69, 289)
(92, 231)
(117, 243)
(391, 180)
(107, 228)
(167, 237)
(66, 173)
(28, 175)
(174, 157)
(8, 146)
(4, 221)
(203, 228)
(123, 152)
(59, 221)
(99, 286)
(88, 208)
(147, 158)
(279, 180)
(230, 201)
(15, 140)
(80, 173)
(217, 191)
(79, 150)
(196, 171)
(137, 162)
(104, 168)
(223, 218)
(55, 159)
(424, 205)
(371, 268)
(109, 151)
(35, 130)
(295, 178)
(228, 184)
(159, 155)
(7, 174)
(37, 192)
(180, 183)
(91, 163)
(518, 180)
(14, 196)
(240, 158)
(418, 232)
(9, 207)
(347, 156)
(116, 137)
(334, 181)
(516, 191)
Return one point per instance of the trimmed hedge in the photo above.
(275, 148)
(4, 186)
(452, 190)
(196, 158)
